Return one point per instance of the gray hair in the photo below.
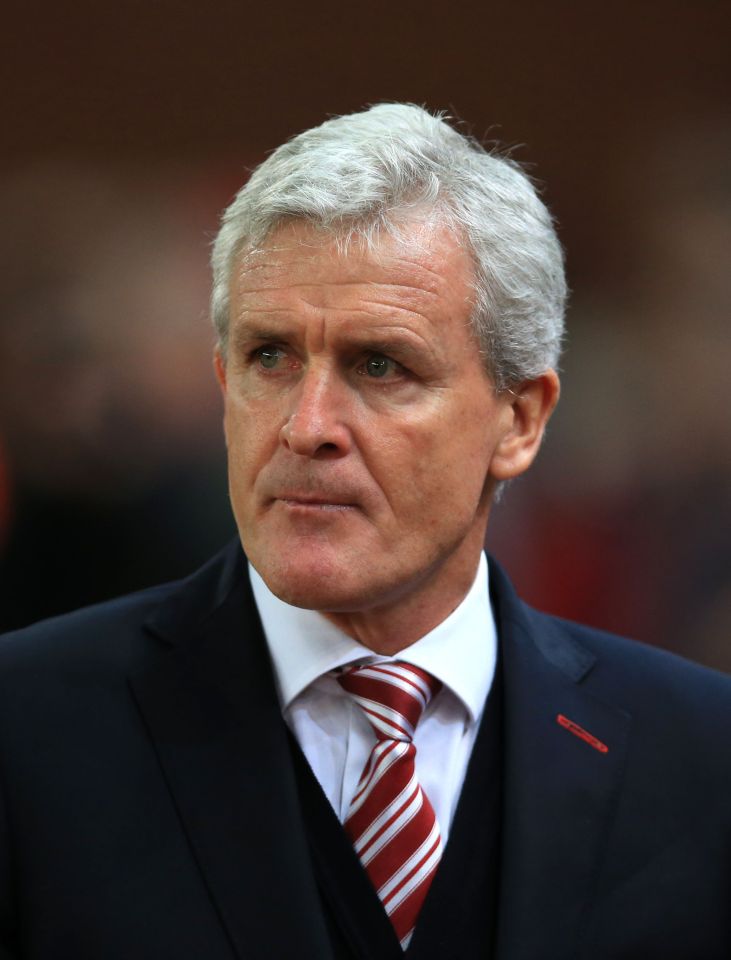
(357, 174)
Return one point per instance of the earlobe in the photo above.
(531, 406)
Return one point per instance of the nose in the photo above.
(316, 426)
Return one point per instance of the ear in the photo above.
(530, 406)
(219, 365)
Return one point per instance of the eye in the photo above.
(268, 356)
(377, 365)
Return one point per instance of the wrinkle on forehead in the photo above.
(425, 262)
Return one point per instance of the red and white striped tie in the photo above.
(390, 821)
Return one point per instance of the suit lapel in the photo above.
(211, 710)
(560, 791)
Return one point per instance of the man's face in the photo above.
(360, 422)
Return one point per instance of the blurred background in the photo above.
(129, 126)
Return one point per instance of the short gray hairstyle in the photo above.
(357, 174)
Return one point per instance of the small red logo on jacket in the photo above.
(581, 733)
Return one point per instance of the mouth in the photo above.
(314, 502)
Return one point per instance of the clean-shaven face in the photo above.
(360, 421)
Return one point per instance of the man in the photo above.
(363, 743)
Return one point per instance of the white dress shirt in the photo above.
(333, 731)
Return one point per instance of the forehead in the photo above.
(423, 264)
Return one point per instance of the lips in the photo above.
(314, 500)
(311, 491)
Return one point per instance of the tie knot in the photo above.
(392, 695)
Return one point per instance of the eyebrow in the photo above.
(246, 331)
(273, 327)
(384, 341)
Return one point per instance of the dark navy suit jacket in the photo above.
(149, 805)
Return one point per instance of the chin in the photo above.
(309, 580)
(312, 594)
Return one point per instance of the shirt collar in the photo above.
(461, 651)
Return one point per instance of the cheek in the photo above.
(436, 463)
(463, 450)
(251, 436)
